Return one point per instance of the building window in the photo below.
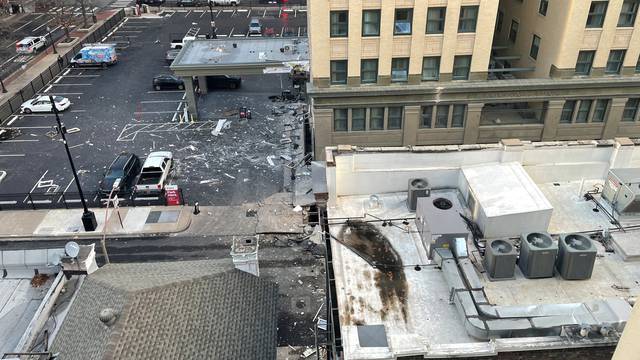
(431, 68)
(358, 119)
(499, 21)
(435, 20)
(468, 19)
(461, 65)
(400, 70)
(567, 111)
(369, 71)
(402, 25)
(395, 118)
(442, 116)
(544, 6)
(535, 47)
(600, 111)
(584, 63)
(630, 110)
(459, 113)
(583, 111)
(597, 12)
(339, 72)
(339, 23)
(628, 13)
(513, 31)
(427, 116)
(376, 118)
(340, 119)
(371, 23)
(614, 64)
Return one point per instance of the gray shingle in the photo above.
(178, 310)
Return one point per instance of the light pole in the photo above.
(88, 217)
(213, 23)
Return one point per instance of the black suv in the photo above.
(161, 82)
(223, 82)
(188, 3)
(125, 167)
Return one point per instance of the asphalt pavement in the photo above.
(115, 110)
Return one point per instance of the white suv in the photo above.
(225, 2)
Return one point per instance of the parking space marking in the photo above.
(11, 45)
(201, 15)
(71, 84)
(13, 119)
(160, 101)
(12, 155)
(66, 72)
(56, 81)
(18, 29)
(77, 111)
(187, 14)
(19, 141)
(36, 29)
(80, 76)
(231, 33)
(47, 89)
(153, 112)
(61, 93)
(131, 131)
(165, 92)
(10, 59)
(264, 13)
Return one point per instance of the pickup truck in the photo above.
(189, 36)
(155, 171)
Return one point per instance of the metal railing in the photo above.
(28, 91)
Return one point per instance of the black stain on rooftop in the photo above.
(370, 244)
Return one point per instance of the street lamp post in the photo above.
(213, 23)
(88, 217)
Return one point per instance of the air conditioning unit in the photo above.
(417, 188)
(576, 257)
(538, 254)
(500, 259)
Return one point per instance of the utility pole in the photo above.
(88, 217)
(53, 43)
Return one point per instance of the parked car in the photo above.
(95, 55)
(225, 2)
(171, 55)
(31, 44)
(188, 3)
(151, 2)
(43, 104)
(223, 82)
(255, 27)
(124, 167)
(164, 82)
(155, 171)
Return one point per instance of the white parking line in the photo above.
(19, 141)
(36, 29)
(154, 112)
(23, 26)
(13, 155)
(231, 33)
(201, 15)
(80, 76)
(66, 72)
(36, 184)
(165, 91)
(72, 84)
(159, 101)
(11, 45)
(13, 119)
(48, 88)
(63, 93)
(249, 13)
(187, 14)
(57, 80)
(77, 111)
(264, 13)
(10, 59)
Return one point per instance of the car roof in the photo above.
(120, 161)
(27, 39)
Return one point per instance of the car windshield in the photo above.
(255, 23)
(58, 99)
(114, 174)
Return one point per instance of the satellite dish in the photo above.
(72, 249)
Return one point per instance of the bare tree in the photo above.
(62, 15)
(84, 4)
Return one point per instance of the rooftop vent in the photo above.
(108, 316)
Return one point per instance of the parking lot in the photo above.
(115, 110)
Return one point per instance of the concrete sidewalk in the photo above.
(66, 223)
(22, 77)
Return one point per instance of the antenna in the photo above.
(72, 249)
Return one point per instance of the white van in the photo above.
(31, 44)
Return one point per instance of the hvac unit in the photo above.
(576, 257)
(500, 259)
(538, 254)
(622, 190)
(417, 188)
(439, 222)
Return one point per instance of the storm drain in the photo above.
(162, 217)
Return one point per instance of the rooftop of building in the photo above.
(189, 309)
(395, 298)
(245, 52)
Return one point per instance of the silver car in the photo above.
(255, 27)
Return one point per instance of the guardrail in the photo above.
(13, 104)
(69, 200)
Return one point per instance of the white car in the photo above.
(42, 104)
(255, 27)
(225, 2)
(31, 44)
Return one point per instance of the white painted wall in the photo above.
(373, 172)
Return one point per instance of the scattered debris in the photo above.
(39, 280)
(270, 160)
(285, 141)
(298, 208)
(308, 352)
(73, 130)
(219, 126)
(230, 176)
(210, 181)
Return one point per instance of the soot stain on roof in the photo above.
(369, 243)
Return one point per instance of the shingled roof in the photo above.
(171, 310)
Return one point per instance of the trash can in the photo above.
(172, 195)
